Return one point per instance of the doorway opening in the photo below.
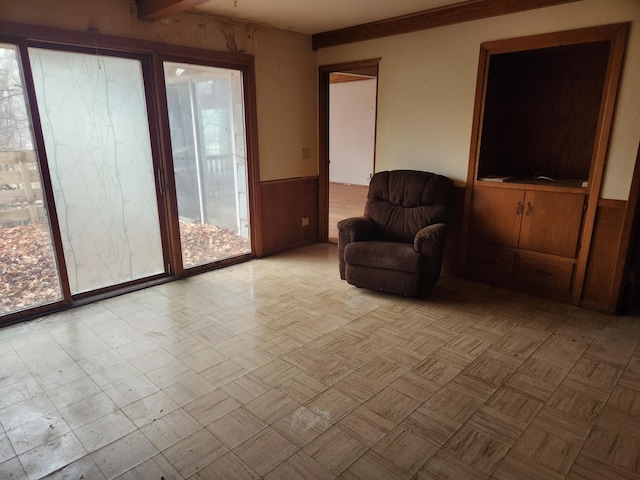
(348, 112)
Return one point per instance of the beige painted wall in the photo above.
(427, 84)
(286, 68)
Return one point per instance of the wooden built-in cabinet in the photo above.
(542, 221)
(528, 238)
(542, 119)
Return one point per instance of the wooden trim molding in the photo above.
(361, 67)
(157, 9)
(426, 19)
(478, 107)
(337, 77)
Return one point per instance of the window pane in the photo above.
(96, 131)
(206, 117)
(28, 270)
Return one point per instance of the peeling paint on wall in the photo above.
(229, 33)
(235, 33)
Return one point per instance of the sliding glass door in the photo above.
(96, 132)
(206, 120)
(115, 170)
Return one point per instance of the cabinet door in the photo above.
(551, 222)
(496, 216)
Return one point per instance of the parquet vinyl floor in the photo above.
(277, 369)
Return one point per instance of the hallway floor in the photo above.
(345, 201)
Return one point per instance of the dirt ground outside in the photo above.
(28, 273)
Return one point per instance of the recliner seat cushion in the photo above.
(385, 255)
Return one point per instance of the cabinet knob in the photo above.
(519, 208)
(529, 209)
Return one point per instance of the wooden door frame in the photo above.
(368, 67)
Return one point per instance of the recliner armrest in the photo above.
(430, 240)
(356, 229)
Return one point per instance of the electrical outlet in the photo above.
(305, 221)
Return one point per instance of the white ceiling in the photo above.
(315, 16)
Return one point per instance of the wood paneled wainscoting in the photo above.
(451, 259)
(286, 206)
(602, 286)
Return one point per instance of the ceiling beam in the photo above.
(436, 17)
(157, 9)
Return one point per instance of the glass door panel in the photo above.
(206, 119)
(94, 120)
(28, 269)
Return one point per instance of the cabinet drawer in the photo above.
(544, 273)
(491, 264)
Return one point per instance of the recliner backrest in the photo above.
(402, 202)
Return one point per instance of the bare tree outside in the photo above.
(28, 270)
(15, 133)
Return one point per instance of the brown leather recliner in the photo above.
(397, 246)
